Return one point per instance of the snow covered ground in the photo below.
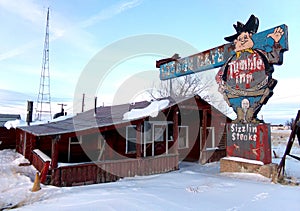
(193, 187)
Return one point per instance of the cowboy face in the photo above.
(243, 41)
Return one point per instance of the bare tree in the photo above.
(202, 84)
(290, 122)
(184, 86)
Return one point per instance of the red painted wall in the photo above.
(7, 138)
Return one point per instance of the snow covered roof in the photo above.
(105, 117)
(151, 110)
(8, 117)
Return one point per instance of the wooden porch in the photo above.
(105, 171)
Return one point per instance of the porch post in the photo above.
(175, 131)
(203, 137)
(138, 140)
(54, 152)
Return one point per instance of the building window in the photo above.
(170, 132)
(130, 139)
(147, 132)
(156, 131)
(183, 137)
(159, 131)
(75, 140)
(210, 142)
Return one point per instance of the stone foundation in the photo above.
(236, 164)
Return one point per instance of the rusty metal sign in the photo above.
(250, 141)
(245, 80)
(217, 57)
(245, 77)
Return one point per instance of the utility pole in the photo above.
(44, 97)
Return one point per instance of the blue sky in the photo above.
(79, 29)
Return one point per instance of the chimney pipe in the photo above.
(82, 104)
(95, 108)
(29, 112)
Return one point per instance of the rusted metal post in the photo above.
(289, 145)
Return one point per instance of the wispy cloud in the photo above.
(61, 27)
(25, 9)
(17, 51)
(77, 32)
(110, 12)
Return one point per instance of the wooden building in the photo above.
(7, 136)
(108, 143)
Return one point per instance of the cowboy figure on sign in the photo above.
(245, 80)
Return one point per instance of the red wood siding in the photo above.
(194, 152)
(7, 138)
(25, 147)
(44, 144)
(42, 166)
(109, 171)
(37, 162)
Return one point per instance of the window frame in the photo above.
(213, 139)
(186, 127)
(130, 139)
(149, 135)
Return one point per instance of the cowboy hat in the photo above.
(251, 26)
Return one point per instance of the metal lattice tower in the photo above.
(44, 98)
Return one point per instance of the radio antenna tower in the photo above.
(44, 98)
